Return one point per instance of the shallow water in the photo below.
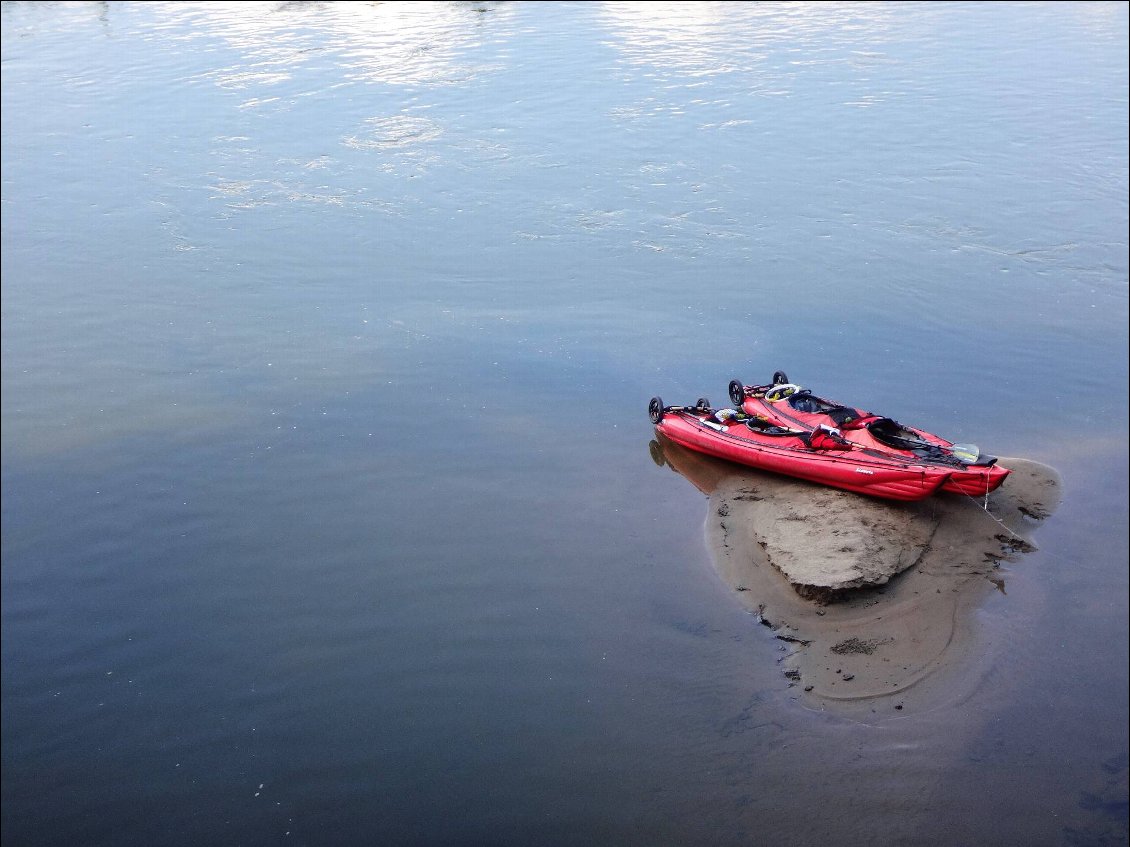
(328, 335)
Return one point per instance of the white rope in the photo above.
(985, 508)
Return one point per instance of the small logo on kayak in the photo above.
(864, 470)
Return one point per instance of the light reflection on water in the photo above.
(770, 42)
(328, 331)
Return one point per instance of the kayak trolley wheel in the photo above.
(780, 378)
(702, 404)
(655, 410)
(737, 393)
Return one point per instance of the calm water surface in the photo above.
(328, 335)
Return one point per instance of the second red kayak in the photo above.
(788, 405)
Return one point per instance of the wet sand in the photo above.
(874, 599)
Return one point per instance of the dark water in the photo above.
(328, 335)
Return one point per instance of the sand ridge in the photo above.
(871, 597)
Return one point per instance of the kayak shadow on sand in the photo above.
(873, 597)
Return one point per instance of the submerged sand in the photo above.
(872, 597)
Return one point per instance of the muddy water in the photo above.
(328, 334)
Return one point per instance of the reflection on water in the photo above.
(875, 641)
(402, 44)
(771, 43)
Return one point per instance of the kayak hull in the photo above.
(789, 455)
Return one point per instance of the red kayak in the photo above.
(817, 454)
(788, 405)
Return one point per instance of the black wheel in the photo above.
(702, 404)
(779, 378)
(655, 410)
(737, 393)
